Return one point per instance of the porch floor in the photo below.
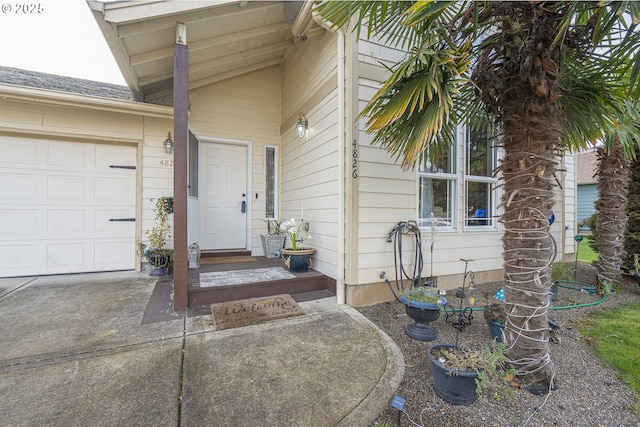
(306, 286)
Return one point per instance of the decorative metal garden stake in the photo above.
(464, 315)
(578, 239)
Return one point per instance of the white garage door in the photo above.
(56, 202)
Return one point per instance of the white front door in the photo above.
(223, 196)
(66, 207)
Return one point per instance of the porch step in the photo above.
(224, 253)
(309, 285)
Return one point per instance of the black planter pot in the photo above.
(496, 330)
(422, 314)
(455, 387)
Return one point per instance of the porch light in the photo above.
(168, 144)
(302, 125)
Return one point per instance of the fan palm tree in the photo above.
(548, 75)
(614, 175)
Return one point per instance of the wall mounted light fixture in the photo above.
(301, 126)
(168, 144)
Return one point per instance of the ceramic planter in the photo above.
(298, 261)
(272, 244)
(456, 387)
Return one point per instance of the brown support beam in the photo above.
(181, 136)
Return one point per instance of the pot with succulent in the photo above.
(423, 306)
(297, 258)
(463, 373)
(273, 241)
(495, 316)
(157, 255)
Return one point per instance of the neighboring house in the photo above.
(588, 193)
(252, 71)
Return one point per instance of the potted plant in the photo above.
(423, 306)
(297, 258)
(560, 272)
(155, 252)
(273, 241)
(462, 374)
(496, 317)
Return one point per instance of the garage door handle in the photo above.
(122, 167)
(122, 220)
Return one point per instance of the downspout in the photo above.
(340, 285)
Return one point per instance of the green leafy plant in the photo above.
(294, 232)
(276, 229)
(561, 271)
(158, 235)
(421, 294)
(495, 312)
(495, 378)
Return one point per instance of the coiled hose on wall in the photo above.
(401, 229)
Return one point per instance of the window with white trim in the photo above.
(479, 182)
(439, 185)
(270, 182)
(438, 181)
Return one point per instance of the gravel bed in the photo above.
(589, 393)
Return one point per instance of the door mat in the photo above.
(235, 314)
(238, 277)
(226, 260)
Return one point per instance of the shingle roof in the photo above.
(586, 165)
(35, 79)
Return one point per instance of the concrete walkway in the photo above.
(74, 351)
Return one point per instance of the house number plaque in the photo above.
(354, 159)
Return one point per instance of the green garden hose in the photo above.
(564, 307)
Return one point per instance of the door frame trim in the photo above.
(248, 144)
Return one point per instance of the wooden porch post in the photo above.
(180, 135)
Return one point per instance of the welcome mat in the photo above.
(226, 259)
(235, 314)
(237, 277)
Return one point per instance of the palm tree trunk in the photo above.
(613, 178)
(531, 140)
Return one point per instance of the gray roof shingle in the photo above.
(586, 166)
(38, 80)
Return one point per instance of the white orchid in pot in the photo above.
(297, 258)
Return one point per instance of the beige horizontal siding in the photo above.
(309, 170)
(243, 108)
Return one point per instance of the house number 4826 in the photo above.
(354, 159)
(166, 163)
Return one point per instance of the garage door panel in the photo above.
(104, 228)
(56, 199)
(18, 187)
(68, 154)
(113, 190)
(66, 188)
(111, 254)
(67, 223)
(27, 155)
(21, 223)
(107, 155)
(66, 256)
(18, 257)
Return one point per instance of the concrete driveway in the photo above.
(76, 351)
